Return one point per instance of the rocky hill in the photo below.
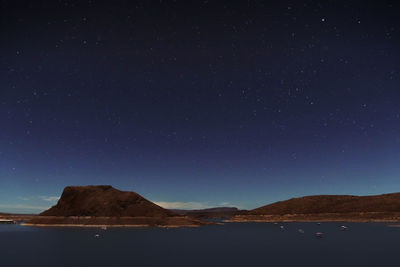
(104, 201)
(332, 204)
(105, 205)
(379, 208)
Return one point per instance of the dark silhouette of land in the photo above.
(104, 201)
(384, 207)
(105, 205)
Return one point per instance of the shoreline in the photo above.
(98, 222)
(106, 225)
(313, 221)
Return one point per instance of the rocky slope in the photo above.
(104, 201)
(333, 204)
(384, 207)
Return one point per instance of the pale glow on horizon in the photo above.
(23, 207)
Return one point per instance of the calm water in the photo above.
(233, 244)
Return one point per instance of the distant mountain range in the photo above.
(218, 212)
(105, 205)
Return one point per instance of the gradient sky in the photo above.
(198, 103)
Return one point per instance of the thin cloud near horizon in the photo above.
(50, 198)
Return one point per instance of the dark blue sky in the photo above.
(199, 103)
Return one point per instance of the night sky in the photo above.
(199, 103)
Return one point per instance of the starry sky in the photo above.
(196, 104)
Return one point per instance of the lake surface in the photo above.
(232, 244)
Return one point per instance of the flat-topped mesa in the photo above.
(104, 201)
(332, 204)
(103, 205)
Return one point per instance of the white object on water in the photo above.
(343, 228)
(282, 227)
(301, 231)
(319, 234)
(97, 235)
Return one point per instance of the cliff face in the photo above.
(104, 201)
(332, 204)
